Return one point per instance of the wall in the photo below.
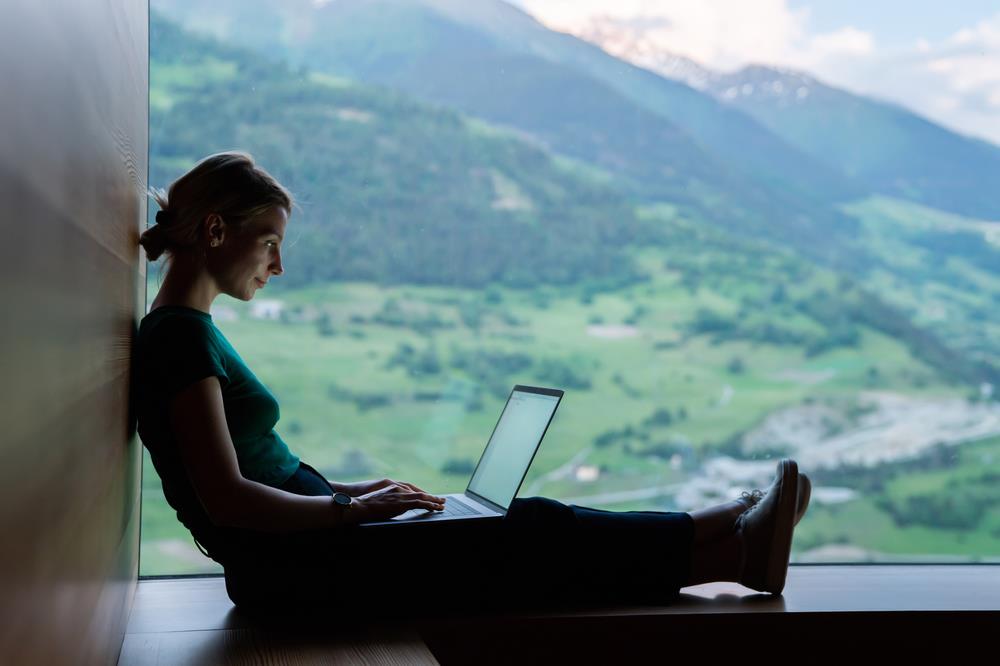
(73, 146)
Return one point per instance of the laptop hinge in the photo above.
(482, 500)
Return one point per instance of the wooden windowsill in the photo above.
(892, 609)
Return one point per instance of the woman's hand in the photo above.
(390, 501)
(360, 488)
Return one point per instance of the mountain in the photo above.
(892, 150)
(733, 137)
(407, 47)
(389, 189)
(663, 140)
(883, 146)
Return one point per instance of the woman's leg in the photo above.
(544, 551)
(715, 554)
(717, 560)
(594, 554)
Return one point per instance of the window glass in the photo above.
(729, 233)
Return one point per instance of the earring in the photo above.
(215, 243)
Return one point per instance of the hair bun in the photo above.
(163, 217)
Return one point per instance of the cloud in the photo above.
(839, 42)
(717, 34)
(724, 34)
(954, 81)
(970, 59)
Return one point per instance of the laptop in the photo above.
(504, 464)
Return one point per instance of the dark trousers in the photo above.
(542, 552)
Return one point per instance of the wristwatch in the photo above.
(342, 500)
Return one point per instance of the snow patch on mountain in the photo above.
(629, 41)
(786, 86)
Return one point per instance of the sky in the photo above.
(940, 59)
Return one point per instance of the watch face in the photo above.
(342, 498)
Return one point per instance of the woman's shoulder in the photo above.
(166, 322)
(174, 313)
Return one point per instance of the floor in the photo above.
(191, 621)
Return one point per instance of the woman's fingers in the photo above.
(397, 496)
(417, 489)
(409, 485)
(412, 488)
(423, 499)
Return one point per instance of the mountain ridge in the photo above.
(759, 185)
(890, 148)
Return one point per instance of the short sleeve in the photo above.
(181, 352)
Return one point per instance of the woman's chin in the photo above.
(249, 293)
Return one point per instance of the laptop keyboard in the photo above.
(455, 507)
(452, 508)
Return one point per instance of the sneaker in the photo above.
(765, 532)
(748, 499)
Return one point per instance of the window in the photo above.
(721, 263)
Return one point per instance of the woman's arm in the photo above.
(198, 419)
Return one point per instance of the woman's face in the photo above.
(248, 259)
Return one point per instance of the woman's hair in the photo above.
(229, 184)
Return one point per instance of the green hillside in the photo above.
(390, 190)
(939, 270)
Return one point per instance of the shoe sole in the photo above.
(805, 491)
(781, 538)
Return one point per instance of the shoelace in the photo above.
(752, 498)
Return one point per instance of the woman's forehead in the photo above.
(272, 221)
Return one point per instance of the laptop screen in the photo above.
(509, 452)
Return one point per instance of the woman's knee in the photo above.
(539, 510)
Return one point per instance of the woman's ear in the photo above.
(215, 229)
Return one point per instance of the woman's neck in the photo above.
(187, 285)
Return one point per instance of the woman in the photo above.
(268, 517)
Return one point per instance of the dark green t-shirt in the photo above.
(176, 347)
